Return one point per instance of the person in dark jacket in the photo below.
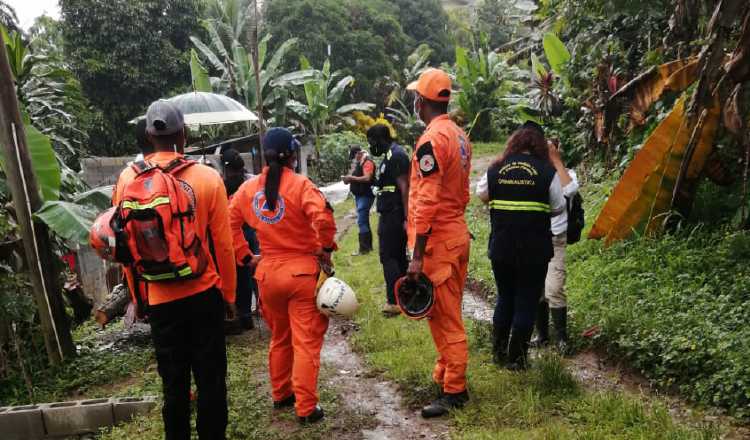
(361, 179)
(393, 195)
(235, 175)
(523, 190)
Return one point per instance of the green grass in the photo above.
(675, 307)
(82, 375)
(250, 413)
(487, 149)
(543, 403)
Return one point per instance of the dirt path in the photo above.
(368, 395)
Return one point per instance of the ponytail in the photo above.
(273, 178)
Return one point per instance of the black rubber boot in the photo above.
(445, 404)
(315, 416)
(367, 242)
(542, 326)
(285, 403)
(560, 322)
(518, 349)
(363, 244)
(500, 345)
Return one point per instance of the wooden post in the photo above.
(36, 240)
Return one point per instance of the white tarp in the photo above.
(336, 193)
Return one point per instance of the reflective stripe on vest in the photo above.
(514, 205)
(184, 272)
(129, 204)
(387, 189)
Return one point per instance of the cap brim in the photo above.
(412, 86)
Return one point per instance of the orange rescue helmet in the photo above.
(415, 298)
(433, 84)
(102, 235)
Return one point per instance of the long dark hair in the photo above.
(525, 140)
(276, 163)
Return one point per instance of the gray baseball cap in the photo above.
(164, 118)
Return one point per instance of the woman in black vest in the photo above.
(523, 191)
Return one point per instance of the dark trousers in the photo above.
(519, 288)
(392, 238)
(246, 284)
(246, 288)
(188, 336)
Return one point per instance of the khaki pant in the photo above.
(554, 289)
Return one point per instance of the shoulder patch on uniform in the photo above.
(426, 159)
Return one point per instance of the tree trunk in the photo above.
(36, 240)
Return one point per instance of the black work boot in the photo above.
(363, 248)
(367, 242)
(500, 344)
(560, 322)
(285, 403)
(445, 404)
(315, 416)
(542, 326)
(518, 349)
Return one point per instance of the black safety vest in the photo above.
(396, 163)
(362, 189)
(520, 210)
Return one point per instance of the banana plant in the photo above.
(323, 93)
(46, 90)
(235, 66)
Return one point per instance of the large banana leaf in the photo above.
(645, 163)
(556, 52)
(643, 195)
(199, 74)
(648, 87)
(209, 54)
(297, 78)
(360, 106)
(44, 163)
(99, 197)
(68, 220)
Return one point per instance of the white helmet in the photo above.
(336, 298)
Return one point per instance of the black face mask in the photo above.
(378, 148)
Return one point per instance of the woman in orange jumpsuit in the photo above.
(296, 230)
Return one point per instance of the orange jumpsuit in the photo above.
(438, 195)
(287, 277)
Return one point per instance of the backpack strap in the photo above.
(178, 165)
(141, 166)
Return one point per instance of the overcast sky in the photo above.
(28, 10)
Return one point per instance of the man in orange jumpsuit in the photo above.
(296, 230)
(187, 317)
(438, 234)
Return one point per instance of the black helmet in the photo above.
(415, 298)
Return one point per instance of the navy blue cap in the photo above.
(281, 141)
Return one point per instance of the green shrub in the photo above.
(676, 307)
(333, 159)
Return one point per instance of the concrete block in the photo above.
(21, 423)
(80, 417)
(125, 408)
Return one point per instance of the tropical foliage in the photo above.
(126, 55)
(323, 90)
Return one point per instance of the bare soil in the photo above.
(366, 394)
